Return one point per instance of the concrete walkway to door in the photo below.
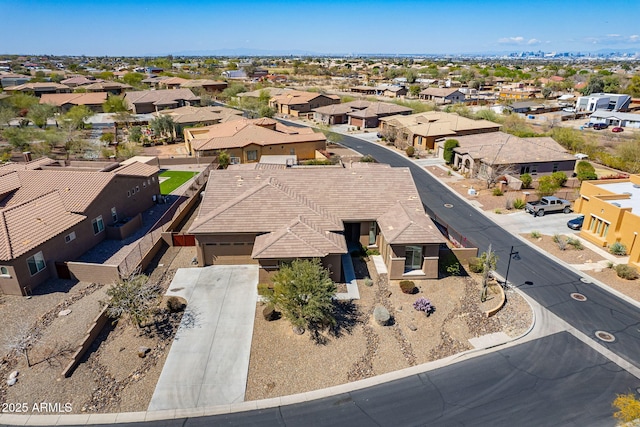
(208, 362)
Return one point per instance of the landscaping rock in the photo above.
(298, 330)
(12, 381)
(381, 315)
(412, 327)
(143, 351)
(64, 313)
(13, 375)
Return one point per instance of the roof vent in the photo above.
(636, 186)
(616, 204)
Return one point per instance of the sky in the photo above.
(161, 27)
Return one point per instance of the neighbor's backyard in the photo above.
(170, 180)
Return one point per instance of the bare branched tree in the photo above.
(134, 298)
(19, 338)
(491, 174)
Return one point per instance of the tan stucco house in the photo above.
(269, 216)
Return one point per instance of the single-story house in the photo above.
(38, 89)
(114, 88)
(423, 130)
(51, 214)
(206, 84)
(479, 154)
(269, 216)
(65, 101)
(12, 79)
(616, 118)
(442, 95)
(297, 103)
(246, 140)
(201, 116)
(360, 113)
(148, 101)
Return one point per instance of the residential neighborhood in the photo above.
(299, 227)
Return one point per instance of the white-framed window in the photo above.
(36, 263)
(114, 214)
(70, 237)
(98, 225)
(4, 272)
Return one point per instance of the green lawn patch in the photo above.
(170, 180)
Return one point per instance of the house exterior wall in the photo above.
(304, 150)
(20, 281)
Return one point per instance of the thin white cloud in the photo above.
(519, 41)
(613, 39)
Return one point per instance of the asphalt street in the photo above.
(553, 380)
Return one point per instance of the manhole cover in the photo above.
(605, 336)
(448, 205)
(585, 280)
(578, 297)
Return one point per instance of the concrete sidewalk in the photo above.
(208, 362)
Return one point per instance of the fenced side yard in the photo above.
(171, 179)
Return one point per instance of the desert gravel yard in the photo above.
(284, 363)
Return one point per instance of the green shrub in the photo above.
(475, 265)
(368, 282)
(367, 159)
(264, 289)
(410, 151)
(447, 153)
(610, 264)
(175, 304)
(497, 191)
(547, 186)
(372, 252)
(585, 171)
(577, 244)
(535, 234)
(519, 204)
(408, 287)
(562, 243)
(618, 249)
(453, 269)
(560, 178)
(625, 271)
(526, 180)
(556, 238)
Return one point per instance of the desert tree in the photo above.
(134, 298)
(491, 174)
(303, 291)
(40, 113)
(20, 338)
(489, 260)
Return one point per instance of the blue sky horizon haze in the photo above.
(161, 27)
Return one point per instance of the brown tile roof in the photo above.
(37, 86)
(439, 92)
(25, 226)
(297, 97)
(380, 108)
(136, 169)
(77, 189)
(79, 81)
(202, 82)
(303, 209)
(172, 81)
(437, 123)
(159, 97)
(240, 133)
(34, 164)
(60, 99)
(189, 114)
(502, 148)
(106, 86)
(302, 239)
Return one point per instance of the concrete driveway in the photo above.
(522, 222)
(209, 359)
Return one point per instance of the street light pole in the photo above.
(515, 255)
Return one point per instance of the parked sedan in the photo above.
(600, 126)
(617, 129)
(576, 223)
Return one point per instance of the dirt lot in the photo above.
(111, 376)
(360, 348)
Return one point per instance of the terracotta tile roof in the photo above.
(202, 82)
(302, 210)
(79, 81)
(172, 81)
(38, 86)
(32, 165)
(380, 108)
(436, 123)
(27, 225)
(272, 91)
(106, 86)
(136, 169)
(159, 97)
(59, 99)
(9, 181)
(77, 189)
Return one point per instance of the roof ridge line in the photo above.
(302, 199)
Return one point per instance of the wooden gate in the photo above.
(183, 239)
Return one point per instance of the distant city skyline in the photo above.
(161, 27)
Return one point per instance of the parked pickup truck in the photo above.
(547, 205)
